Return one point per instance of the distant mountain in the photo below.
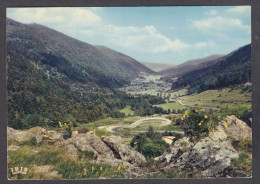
(191, 65)
(235, 68)
(131, 64)
(72, 59)
(157, 67)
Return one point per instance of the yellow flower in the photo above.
(51, 138)
(66, 125)
(103, 136)
(92, 169)
(205, 116)
(203, 109)
(213, 130)
(118, 169)
(70, 123)
(186, 113)
(182, 118)
(199, 124)
(60, 124)
(225, 125)
(84, 172)
(101, 169)
(94, 131)
(196, 110)
(45, 136)
(219, 117)
(209, 133)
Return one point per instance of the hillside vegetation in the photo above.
(189, 66)
(53, 77)
(232, 69)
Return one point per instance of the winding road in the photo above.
(117, 128)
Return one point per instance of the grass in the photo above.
(171, 106)
(171, 127)
(219, 98)
(65, 167)
(127, 110)
(154, 124)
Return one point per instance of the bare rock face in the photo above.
(173, 152)
(90, 142)
(72, 151)
(210, 155)
(26, 135)
(237, 129)
(123, 151)
(112, 150)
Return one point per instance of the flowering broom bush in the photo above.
(198, 123)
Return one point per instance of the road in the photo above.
(117, 128)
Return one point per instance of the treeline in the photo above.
(233, 69)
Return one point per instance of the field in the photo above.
(225, 98)
(172, 106)
(127, 111)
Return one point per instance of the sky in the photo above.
(170, 34)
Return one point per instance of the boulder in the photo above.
(174, 151)
(237, 129)
(25, 135)
(90, 142)
(72, 150)
(55, 135)
(122, 151)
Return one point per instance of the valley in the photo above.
(85, 111)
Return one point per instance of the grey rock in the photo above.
(211, 154)
(72, 151)
(25, 135)
(122, 151)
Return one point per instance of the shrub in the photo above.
(198, 123)
(149, 144)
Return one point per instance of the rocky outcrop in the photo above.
(72, 150)
(209, 155)
(112, 150)
(123, 151)
(21, 136)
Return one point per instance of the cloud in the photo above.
(142, 39)
(219, 24)
(211, 12)
(240, 10)
(55, 17)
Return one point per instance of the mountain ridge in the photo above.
(234, 68)
(39, 43)
(191, 65)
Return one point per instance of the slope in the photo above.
(131, 64)
(234, 68)
(157, 67)
(191, 65)
(74, 60)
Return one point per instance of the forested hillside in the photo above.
(191, 65)
(68, 57)
(232, 69)
(53, 77)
